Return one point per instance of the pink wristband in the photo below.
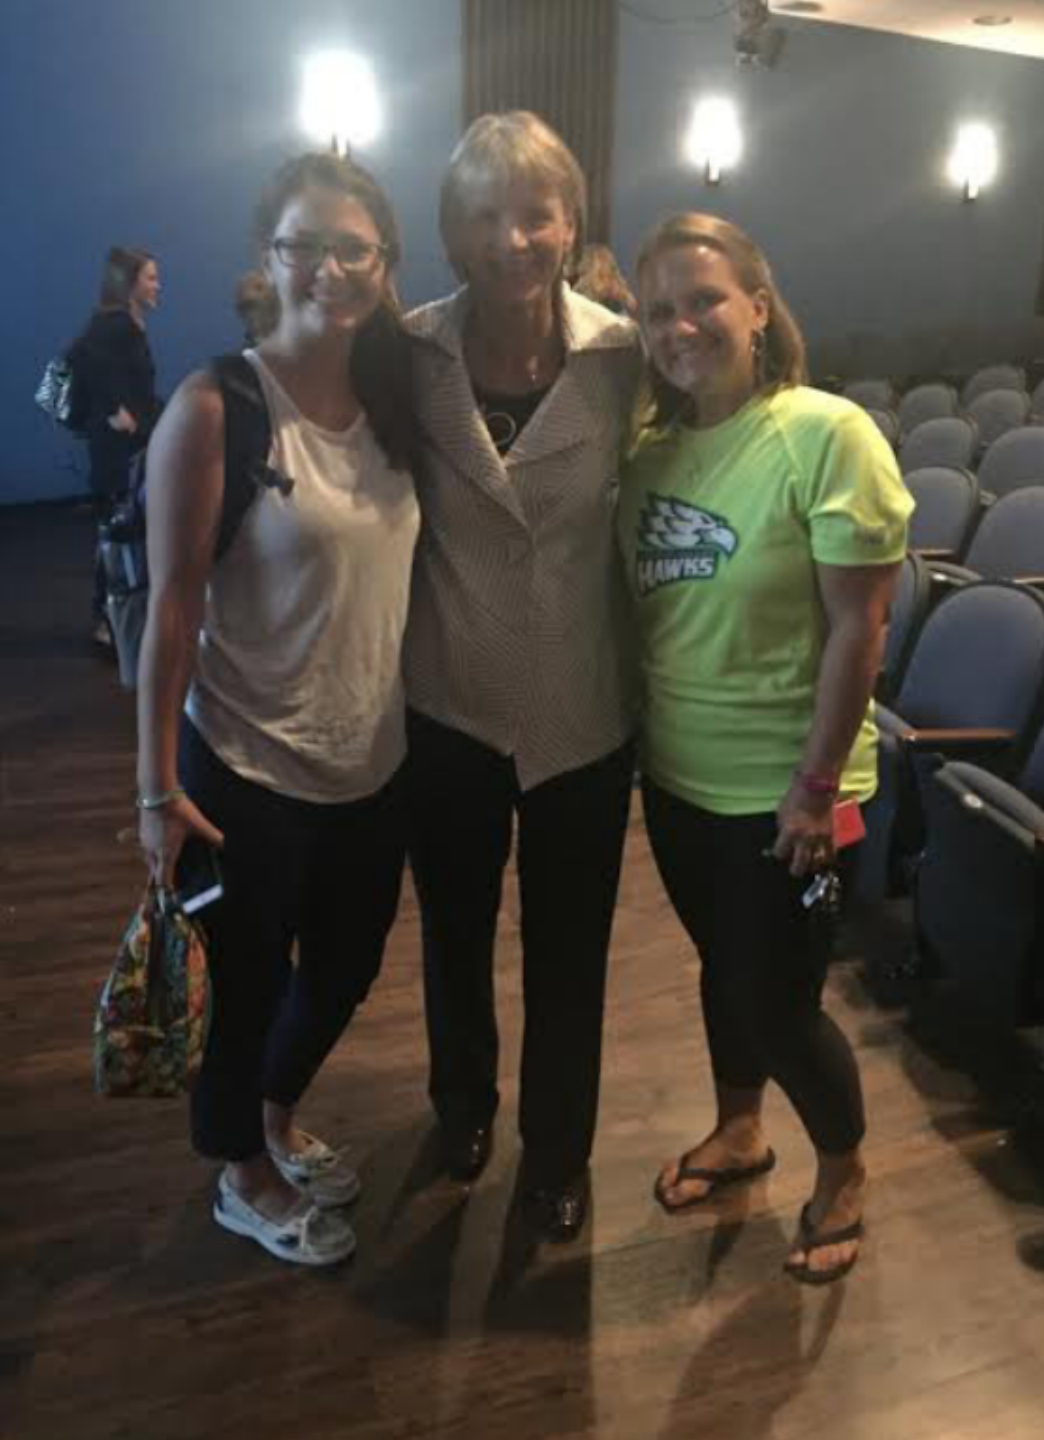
(817, 784)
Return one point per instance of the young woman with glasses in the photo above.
(280, 668)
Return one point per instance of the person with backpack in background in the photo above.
(280, 668)
(114, 366)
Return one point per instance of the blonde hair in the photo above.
(782, 359)
(504, 147)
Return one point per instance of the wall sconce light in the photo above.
(973, 160)
(339, 104)
(714, 142)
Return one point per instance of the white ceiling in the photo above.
(950, 21)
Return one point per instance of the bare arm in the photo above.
(856, 599)
(186, 482)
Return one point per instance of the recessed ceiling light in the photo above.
(992, 20)
(802, 7)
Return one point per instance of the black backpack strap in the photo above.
(248, 439)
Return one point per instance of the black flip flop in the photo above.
(715, 1179)
(810, 1239)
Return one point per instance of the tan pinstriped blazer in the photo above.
(518, 632)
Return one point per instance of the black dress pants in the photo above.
(325, 878)
(464, 798)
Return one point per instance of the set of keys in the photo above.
(824, 893)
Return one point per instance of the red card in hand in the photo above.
(849, 827)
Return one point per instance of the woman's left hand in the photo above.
(806, 830)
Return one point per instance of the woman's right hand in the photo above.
(164, 831)
(123, 421)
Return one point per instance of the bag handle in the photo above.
(160, 905)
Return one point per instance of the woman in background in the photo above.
(599, 278)
(256, 305)
(120, 379)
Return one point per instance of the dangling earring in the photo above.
(757, 351)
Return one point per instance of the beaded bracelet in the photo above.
(157, 802)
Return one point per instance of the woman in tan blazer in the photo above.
(519, 684)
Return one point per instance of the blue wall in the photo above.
(156, 122)
(843, 182)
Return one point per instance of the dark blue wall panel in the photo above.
(155, 123)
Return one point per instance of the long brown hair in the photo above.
(599, 278)
(782, 360)
(381, 364)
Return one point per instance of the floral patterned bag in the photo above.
(151, 1021)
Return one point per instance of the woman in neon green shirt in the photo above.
(762, 525)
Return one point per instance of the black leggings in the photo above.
(764, 959)
(323, 877)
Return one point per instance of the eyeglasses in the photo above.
(307, 252)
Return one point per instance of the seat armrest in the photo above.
(935, 552)
(956, 741)
(946, 575)
(1035, 582)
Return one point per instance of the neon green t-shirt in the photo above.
(720, 531)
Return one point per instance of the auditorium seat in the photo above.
(992, 377)
(1013, 461)
(948, 440)
(926, 402)
(963, 695)
(979, 891)
(995, 412)
(947, 507)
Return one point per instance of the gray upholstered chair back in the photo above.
(1014, 461)
(948, 440)
(909, 608)
(871, 394)
(997, 411)
(992, 377)
(1009, 543)
(886, 422)
(946, 505)
(979, 660)
(926, 402)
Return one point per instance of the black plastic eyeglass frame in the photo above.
(366, 252)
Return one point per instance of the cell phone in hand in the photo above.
(197, 876)
(849, 826)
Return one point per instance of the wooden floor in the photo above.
(125, 1312)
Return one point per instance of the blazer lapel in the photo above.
(564, 419)
(456, 429)
(449, 415)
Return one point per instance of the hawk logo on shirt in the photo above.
(679, 541)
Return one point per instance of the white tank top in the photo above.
(298, 684)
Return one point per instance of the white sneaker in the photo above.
(307, 1236)
(325, 1175)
